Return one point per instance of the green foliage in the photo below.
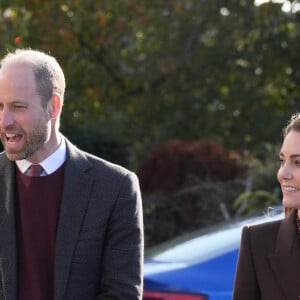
(140, 73)
(187, 185)
(147, 72)
(167, 215)
(254, 200)
(261, 186)
(93, 140)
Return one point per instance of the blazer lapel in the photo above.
(285, 261)
(8, 252)
(76, 194)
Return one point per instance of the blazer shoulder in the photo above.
(263, 235)
(274, 226)
(266, 226)
(263, 229)
(94, 164)
(3, 156)
(106, 166)
(3, 159)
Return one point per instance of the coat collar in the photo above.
(287, 237)
(285, 261)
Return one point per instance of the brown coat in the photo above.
(269, 261)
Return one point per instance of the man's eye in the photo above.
(18, 106)
(297, 162)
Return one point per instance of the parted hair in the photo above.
(293, 124)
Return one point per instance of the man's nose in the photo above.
(6, 118)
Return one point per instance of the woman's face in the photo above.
(289, 172)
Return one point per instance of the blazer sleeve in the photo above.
(122, 263)
(245, 284)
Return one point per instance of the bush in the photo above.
(187, 185)
(169, 214)
(178, 163)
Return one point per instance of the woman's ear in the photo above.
(55, 105)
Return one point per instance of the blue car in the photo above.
(200, 265)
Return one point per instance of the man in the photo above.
(75, 230)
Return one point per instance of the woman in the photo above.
(269, 258)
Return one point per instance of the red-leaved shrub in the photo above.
(178, 163)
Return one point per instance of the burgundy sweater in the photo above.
(38, 202)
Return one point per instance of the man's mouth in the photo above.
(13, 138)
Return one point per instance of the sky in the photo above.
(287, 6)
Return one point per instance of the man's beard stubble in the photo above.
(34, 140)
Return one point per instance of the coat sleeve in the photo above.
(245, 284)
(122, 263)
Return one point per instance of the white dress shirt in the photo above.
(50, 164)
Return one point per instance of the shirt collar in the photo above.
(51, 163)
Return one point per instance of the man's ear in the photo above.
(54, 106)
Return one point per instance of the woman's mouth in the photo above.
(289, 189)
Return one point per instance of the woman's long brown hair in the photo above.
(287, 210)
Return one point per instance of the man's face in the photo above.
(24, 123)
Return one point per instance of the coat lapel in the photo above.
(8, 252)
(76, 194)
(285, 261)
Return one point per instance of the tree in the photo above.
(146, 72)
(141, 73)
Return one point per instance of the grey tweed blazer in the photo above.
(99, 248)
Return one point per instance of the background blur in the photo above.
(190, 94)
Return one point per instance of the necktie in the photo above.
(35, 170)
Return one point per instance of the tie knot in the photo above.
(35, 170)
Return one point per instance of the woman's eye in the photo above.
(297, 163)
(281, 161)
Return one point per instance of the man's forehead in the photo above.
(16, 70)
(17, 79)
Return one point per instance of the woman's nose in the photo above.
(285, 172)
